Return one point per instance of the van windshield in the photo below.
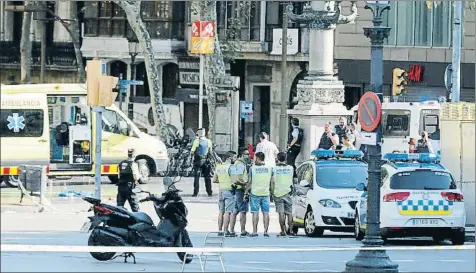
(341, 177)
(422, 180)
(396, 123)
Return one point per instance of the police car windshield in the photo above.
(341, 177)
(422, 180)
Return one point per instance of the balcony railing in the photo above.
(57, 55)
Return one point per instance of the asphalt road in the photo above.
(61, 228)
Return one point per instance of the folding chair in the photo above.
(212, 239)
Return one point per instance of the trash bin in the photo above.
(32, 180)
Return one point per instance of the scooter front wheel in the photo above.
(100, 256)
(186, 242)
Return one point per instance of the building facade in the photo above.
(420, 43)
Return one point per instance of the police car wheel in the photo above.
(458, 238)
(438, 239)
(358, 233)
(310, 225)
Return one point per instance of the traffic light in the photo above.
(399, 82)
(99, 87)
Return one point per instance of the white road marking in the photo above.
(451, 261)
(305, 262)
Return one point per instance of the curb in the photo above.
(19, 208)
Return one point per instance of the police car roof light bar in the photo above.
(420, 158)
(320, 154)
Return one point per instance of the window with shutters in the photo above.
(163, 19)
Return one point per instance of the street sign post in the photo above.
(370, 111)
(122, 85)
(202, 42)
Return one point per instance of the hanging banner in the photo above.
(203, 37)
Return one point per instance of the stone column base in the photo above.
(320, 101)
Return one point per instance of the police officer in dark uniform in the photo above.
(201, 148)
(294, 143)
(128, 176)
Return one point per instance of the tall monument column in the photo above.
(320, 93)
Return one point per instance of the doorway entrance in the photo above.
(261, 115)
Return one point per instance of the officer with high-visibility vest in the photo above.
(281, 192)
(226, 202)
(201, 147)
(239, 177)
(259, 182)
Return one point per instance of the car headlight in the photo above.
(329, 203)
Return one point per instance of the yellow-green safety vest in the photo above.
(224, 178)
(239, 168)
(261, 177)
(283, 177)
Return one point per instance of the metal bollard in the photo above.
(43, 185)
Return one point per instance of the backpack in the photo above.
(300, 136)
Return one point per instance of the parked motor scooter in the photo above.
(116, 226)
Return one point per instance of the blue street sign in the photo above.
(130, 82)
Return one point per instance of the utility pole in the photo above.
(284, 98)
(456, 59)
(43, 22)
(200, 92)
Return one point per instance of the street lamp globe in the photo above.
(133, 45)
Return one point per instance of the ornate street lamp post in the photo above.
(374, 260)
(133, 51)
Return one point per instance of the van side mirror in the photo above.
(361, 187)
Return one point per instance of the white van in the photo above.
(404, 120)
(52, 125)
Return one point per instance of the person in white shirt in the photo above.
(268, 148)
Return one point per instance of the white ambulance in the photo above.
(52, 125)
(404, 120)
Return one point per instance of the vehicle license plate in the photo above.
(86, 227)
(426, 222)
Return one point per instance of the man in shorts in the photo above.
(239, 178)
(226, 202)
(281, 190)
(259, 182)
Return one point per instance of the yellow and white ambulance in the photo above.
(52, 125)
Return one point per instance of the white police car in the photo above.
(418, 198)
(326, 195)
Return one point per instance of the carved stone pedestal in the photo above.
(320, 101)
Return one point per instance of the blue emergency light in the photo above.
(341, 154)
(418, 157)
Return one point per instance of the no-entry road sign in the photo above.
(370, 111)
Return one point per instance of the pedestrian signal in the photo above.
(399, 82)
